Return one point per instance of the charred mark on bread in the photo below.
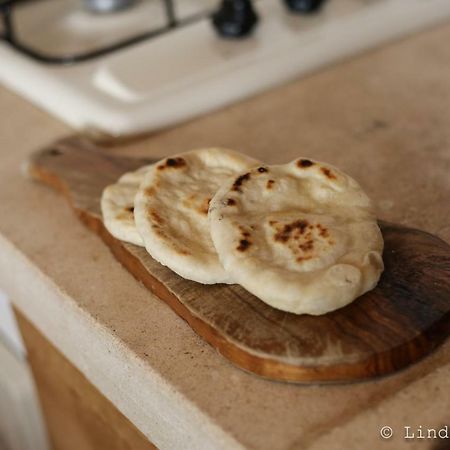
(285, 233)
(244, 244)
(174, 163)
(306, 246)
(328, 173)
(304, 163)
(244, 232)
(323, 232)
(239, 181)
(269, 184)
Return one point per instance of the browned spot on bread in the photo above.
(231, 202)
(304, 163)
(322, 230)
(244, 244)
(262, 169)
(285, 233)
(305, 240)
(158, 231)
(308, 235)
(124, 215)
(306, 246)
(269, 184)
(150, 191)
(155, 217)
(239, 181)
(245, 233)
(328, 173)
(303, 258)
(173, 163)
(205, 206)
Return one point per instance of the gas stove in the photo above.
(128, 66)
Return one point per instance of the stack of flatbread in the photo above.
(301, 236)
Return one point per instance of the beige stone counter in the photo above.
(384, 118)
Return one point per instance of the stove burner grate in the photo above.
(10, 36)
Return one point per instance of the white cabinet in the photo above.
(21, 424)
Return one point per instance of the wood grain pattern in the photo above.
(77, 415)
(400, 321)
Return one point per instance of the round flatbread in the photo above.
(117, 205)
(301, 236)
(171, 210)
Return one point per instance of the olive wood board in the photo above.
(403, 319)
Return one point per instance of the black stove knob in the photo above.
(235, 18)
(304, 6)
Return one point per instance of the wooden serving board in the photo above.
(404, 318)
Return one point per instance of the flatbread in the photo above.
(117, 205)
(171, 210)
(302, 236)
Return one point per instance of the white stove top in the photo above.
(188, 70)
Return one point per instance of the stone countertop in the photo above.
(384, 118)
